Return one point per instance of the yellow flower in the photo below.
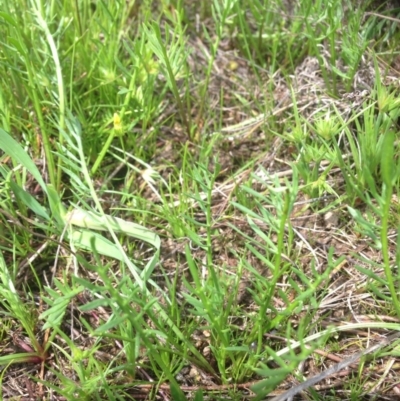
(117, 123)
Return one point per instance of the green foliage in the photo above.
(89, 94)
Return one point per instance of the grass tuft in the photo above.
(199, 201)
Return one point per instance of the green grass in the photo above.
(198, 199)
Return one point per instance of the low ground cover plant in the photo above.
(199, 200)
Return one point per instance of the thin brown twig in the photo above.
(335, 368)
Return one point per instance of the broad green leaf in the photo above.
(198, 396)
(9, 19)
(90, 220)
(177, 393)
(13, 149)
(90, 240)
(29, 200)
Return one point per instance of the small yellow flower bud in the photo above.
(117, 123)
